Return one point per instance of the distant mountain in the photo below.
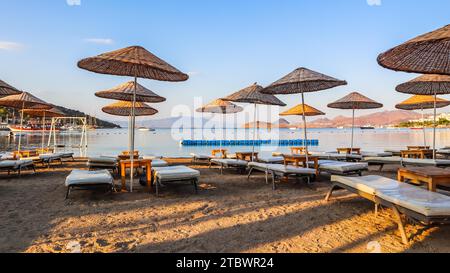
(282, 123)
(260, 124)
(91, 120)
(385, 118)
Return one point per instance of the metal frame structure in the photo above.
(84, 137)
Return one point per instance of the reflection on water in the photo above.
(165, 142)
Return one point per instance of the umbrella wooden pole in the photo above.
(133, 123)
(43, 131)
(435, 125)
(305, 128)
(21, 127)
(353, 131)
(254, 131)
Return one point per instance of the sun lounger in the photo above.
(337, 156)
(201, 157)
(342, 168)
(414, 202)
(48, 159)
(382, 161)
(67, 156)
(271, 159)
(229, 163)
(89, 180)
(165, 175)
(152, 157)
(103, 162)
(7, 156)
(159, 163)
(280, 170)
(16, 166)
(376, 154)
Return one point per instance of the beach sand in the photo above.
(230, 214)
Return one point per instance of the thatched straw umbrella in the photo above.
(426, 54)
(355, 101)
(44, 113)
(422, 102)
(300, 110)
(303, 80)
(220, 107)
(7, 90)
(124, 92)
(22, 101)
(137, 62)
(124, 108)
(428, 85)
(253, 95)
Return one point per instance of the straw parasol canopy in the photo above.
(7, 90)
(298, 111)
(426, 85)
(134, 61)
(426, 54)
(124, 92)
(220, 107)
(422, 102)
(355, 101)
(253, 95)
(24, 100)
(50, 113)
(123, 108)
(302, 80)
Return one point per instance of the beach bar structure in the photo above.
(83, 147)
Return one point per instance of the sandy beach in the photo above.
(230, 214)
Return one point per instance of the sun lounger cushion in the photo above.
(368, 184)
(201, 156)
(66, 155)
(426, 162)
(81, 177)
(103, 160)
(7, 164)
(159, 163)
(280, 168)
(384, 160)
(152, 157)
(404, 195)
(376, 154)
(175, 173)
(230, 162)
(342, 167)
(271, 159)
(7, 156)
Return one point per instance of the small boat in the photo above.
(340, 127)
(145, 129)
(416, 128)
(367, 127)
(293, 128)
(26, 129)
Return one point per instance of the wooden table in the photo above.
(298, 150)
(298, 160)
(349, 151)
(247, 156)
(219, 151)
(418, 147)
(421, 154)
(432, 176)
(142, 163)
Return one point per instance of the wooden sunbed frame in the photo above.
(398, 210)
(275, 175)
(19, 169)
(157, 183)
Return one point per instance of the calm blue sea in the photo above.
(167, 142)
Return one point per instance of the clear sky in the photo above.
(223, 45)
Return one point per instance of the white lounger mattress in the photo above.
(271, 159)
(338, 166)
(102, 160)
(15, 163)
(81, 177)
(279, 168)
(175, 173)
(201, 156)
(159, 163)
(404, 195)
(230, 162)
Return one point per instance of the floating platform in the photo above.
(225, 143)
